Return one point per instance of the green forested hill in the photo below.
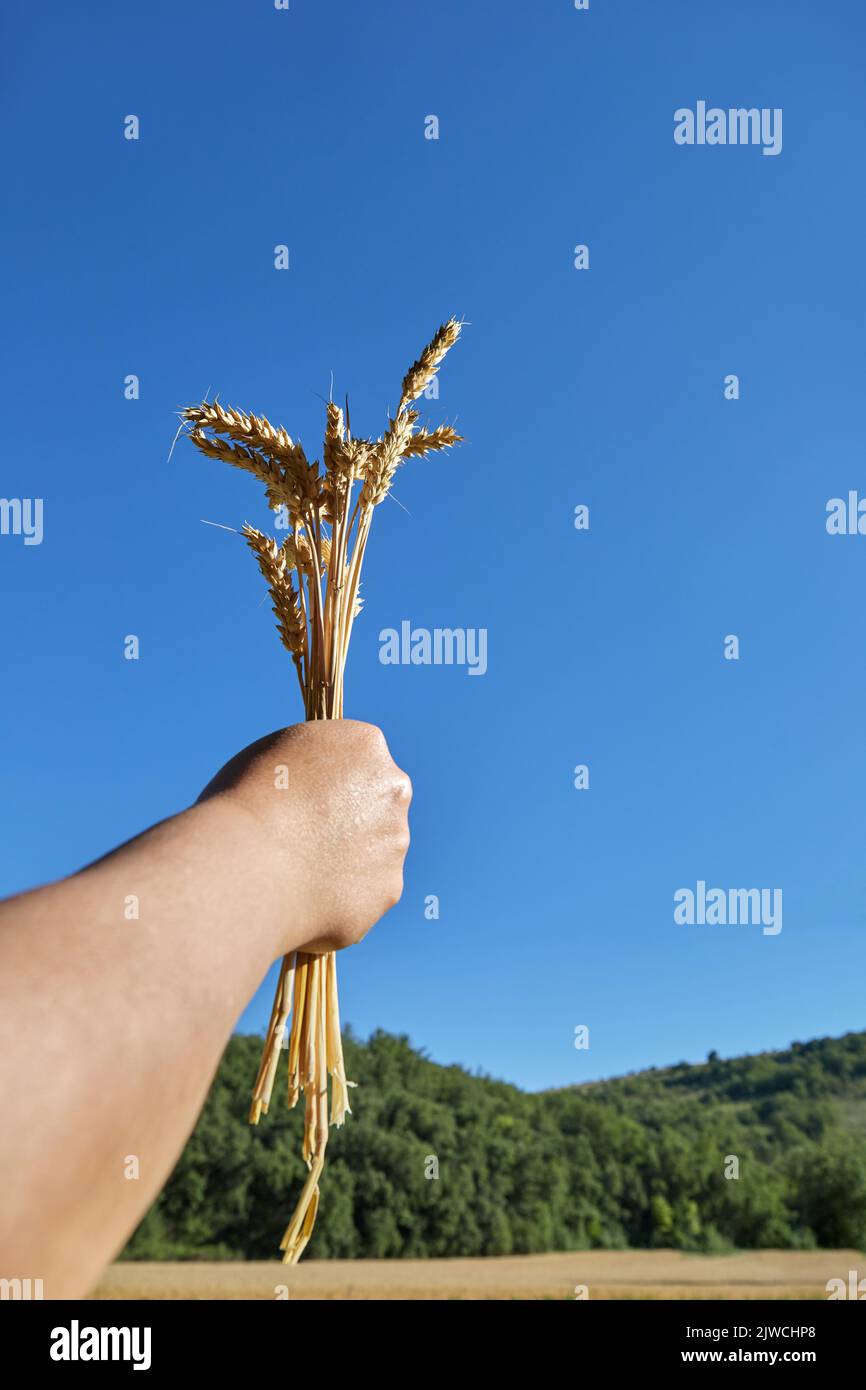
(636, 1161)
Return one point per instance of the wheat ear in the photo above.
(313, 578)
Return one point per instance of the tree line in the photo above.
(752, 1152)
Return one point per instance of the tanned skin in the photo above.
(111, 1029)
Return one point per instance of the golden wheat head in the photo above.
(277, 576)
(422, 372)
(313, 578)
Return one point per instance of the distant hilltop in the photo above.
(763, 1151)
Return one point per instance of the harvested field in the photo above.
(658, 1274)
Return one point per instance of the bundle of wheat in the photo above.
(313, 578)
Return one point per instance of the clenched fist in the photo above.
(330, 809)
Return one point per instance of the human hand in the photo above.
(329, 808)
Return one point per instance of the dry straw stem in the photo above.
(313, 577)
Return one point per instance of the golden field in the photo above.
(620, 1274)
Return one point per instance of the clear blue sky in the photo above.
(604, 387)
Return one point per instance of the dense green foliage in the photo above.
(638, 1161)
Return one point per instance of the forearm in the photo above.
(119, 988)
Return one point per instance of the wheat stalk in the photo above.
(313, 578)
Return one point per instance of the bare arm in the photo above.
(112, 1024)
